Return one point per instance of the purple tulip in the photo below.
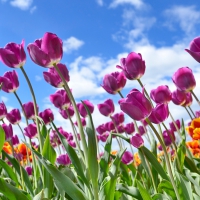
(14, 116)
(103, 137)
(184, 79)
(143, 121)
(136, 105)
(60, 99)
(29, 170)
(168, 136)
(63, 132)
(188, 100)
(114, 82)
(178, 97)
(3, 110)
(53, 78)
(82, 109)
(15, 140)
(194, 50)
(72, 143)
(141, 130)
(118, 118)
(137, 141)
(63, 159)
(159, 114)
(47, 116)
(120, 128)
(197, 114)
(8, 131)
(55, 141)
(30, 131)
(129, 128)
(13, 55)
(101, 129)
(161, 94)
(127, 158)
(29, 110)
(109, 126)
(9, 81)
(83, 122)
(107, 108)
(133, 66)
(173, 127)
(46, 51)
(64, 112)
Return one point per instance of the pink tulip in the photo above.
(129, 128)
(13, 55)
(29, 170)
(29, 110)
(30, 131)
(14, 116)
(3, 110)
(64, 112)
(137, 141)
(178, 97)
(127, 158)
(118, 118)
(173, 127)
(107, 108)
(8, 131)
(188, 100)
(46, 51)
(82, 110)
(168, 137)
(63, 159)
(47, 116)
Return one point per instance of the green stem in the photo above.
(67, 89)
(120, 94)
(192, 111)
(194, 95)
(188, 113)
(166, 157)
(174, 122)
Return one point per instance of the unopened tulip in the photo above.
(52, 77)
(103, 137)
(63, 159)
(159, 114)
(161, 94)
(29, 170)
(101, 129)
(133, 66)
(9, 81)
(141, 130)
(129, 128)
(197, 114)
(30, 131)
(194, 50)
(13, 55)
(53, 136)
(8, 131)
(178, 97)
(47, 116)
(184, 79)
(29, 110)
(136, 105)
(46, 51)
(70, 111)
(173, 127)
(107, 108)
(83, 122)
(109, 126)
(114, 82)
(188, 100)
(118, 118)
(14, 116)
(168, 137)
(136, 140)
(60, 99)
(127, 158)
(82, 110)
(3, 110)
(15, 140)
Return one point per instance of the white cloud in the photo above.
(4, 99)
(135, 3)
(33, 9)
(187, 17)
(71, 44)
(22, 4)
(100, 2)
(38, 78)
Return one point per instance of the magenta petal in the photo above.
(137, 141)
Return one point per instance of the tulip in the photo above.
(103, 137)
(52, 77)
(109, 126)
(120, 128)
(15, 140)
(159, 114)
(101, 129)
(72, 143)
(114, 82)
(118, 118)
(178, 97)
(82, 110)
(141, 130)
(63, 159)
(29, 110)
(9, 81)
(64, 133)
(3, 110)
(133, 66)
(30, 131)
(14, 116)
(136, 105)
(127, 158)
(168, 137)
(8, 131)
(194, 50)
(173, 127)
(60, 99)
(184, 79)
(29, 170)
(197, 114)
(137, 141)
(161, 94)
(64, 114)
(107, 108)
(83, 122)
(46, 51)
(129, 128)
(47, 116)
(55, 141)
(13, 55)
(188, 100)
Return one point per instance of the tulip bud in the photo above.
(168, 137)
(30, 131)
(14, 116)
(8, 131)
(107, 108)
(173, 127)
(82, 110)
(101, 129)
(178, 97)
(3, 110)
(47, 116)
(83, 122)
(141, 130)
(118, 118)
(63, 159)
(127, 158)
(29, 110)
(64, 114)
(137, 141)
(29, 170)
(129, 128)
(188, 100)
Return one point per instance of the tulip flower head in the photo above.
(3, 110)
(63, 159)
(13, 55)
(114, 82)
(127, 158)
(188, 99)
(46, 51)
(129, 128)
(30, 131)
(8, 131)
(178, 97)
(69, 110)
(137, 141)
(14, 116)
(168, 137)
(82, 110)
(194, 129)
(174, 127)
(133, 66)
(184, 79)
(47, 116)
(194, 49)
(29, 110)
(107, 108)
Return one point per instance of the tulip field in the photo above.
(51, 163)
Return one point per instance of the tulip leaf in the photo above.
(154, 162)
(166, 186)
(145, 195)
(190, 165)
(121, 136)
(2, 138)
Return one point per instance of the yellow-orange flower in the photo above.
(194, 129)
(194, 147)
(137, 160)
(7, 148)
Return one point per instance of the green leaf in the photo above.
(12, 192)
(166, 186)
(181, 151)
(154, 162)
(145, 195)
(196, 197)
(190, 165)
(132, 191)
(2, 138)
(160, 197)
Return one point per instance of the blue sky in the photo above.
(96, 34)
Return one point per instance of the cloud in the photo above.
(100, 2)
(38, 78)
(33, 9)
(187, 17)
(4, 99)
(72, 44)
(136, 3)
(22, 4)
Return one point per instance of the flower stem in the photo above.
(188, 113)
(194, 95)
(191, 111)
(177, 129)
